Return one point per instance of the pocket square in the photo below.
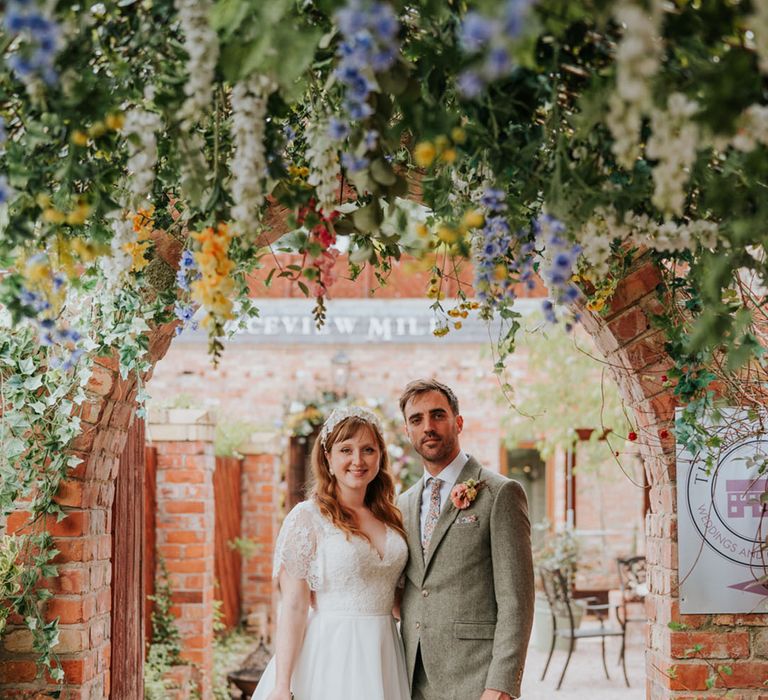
(466, 519)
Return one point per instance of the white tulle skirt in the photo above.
(346, 657)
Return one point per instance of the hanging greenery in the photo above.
(151, 151)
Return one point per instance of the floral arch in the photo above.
(154, 152)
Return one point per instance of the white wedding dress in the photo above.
(352, 649)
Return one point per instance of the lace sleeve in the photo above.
(296, 546)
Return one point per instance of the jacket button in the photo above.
(418, 625)
(425, 593)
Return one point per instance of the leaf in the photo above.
(382, 172)
(228, 15)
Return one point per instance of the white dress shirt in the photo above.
(449, 476)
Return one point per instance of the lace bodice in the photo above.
(345, 572)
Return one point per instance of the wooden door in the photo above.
(127, 658)
(228, 515)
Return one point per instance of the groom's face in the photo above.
(433, 428)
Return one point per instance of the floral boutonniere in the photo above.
(464, 494)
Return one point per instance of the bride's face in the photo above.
(355, 461)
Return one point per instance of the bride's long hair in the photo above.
(380, 494)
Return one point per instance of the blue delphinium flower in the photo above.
(353, 163)
(185, 313)
(559, 263)
(491, 40)
(337, 129)
(492, 244)
(187, 269)
(3, 131)
(369, 45)
(37, 55)
(470, 84)
(6, 191)
(476, 31)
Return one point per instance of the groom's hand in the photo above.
(489, 694)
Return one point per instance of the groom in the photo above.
(467, 607)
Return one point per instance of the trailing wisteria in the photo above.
(673, 143)
(140, 130)
(249, 165)
(202, 46)
(638, 57)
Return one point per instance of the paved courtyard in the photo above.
(585, 679)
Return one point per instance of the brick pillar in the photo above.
(185, 526)
(261, 515)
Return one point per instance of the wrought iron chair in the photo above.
(558, 593)
(633, 586)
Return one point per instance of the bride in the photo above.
(338, 558)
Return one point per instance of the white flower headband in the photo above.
(340, 414)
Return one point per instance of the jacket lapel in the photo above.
(413, 528)
(471, 470)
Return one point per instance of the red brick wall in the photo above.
(185, 527)
(261, 518)
(626, 340)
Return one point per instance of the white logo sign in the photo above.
(722, 525)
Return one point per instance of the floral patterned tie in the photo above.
(432, 515)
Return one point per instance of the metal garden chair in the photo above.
(561, 603)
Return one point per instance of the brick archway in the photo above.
(635, 353)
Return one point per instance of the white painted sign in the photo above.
(722, 523)
(356, 321)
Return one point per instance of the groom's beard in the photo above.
(440, 449)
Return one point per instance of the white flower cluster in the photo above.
(673, 144)
(249, 165)
(638, 229)
(752, 128)
(637, 61)
(139, 129)
(758, 23)
(115, 265)
(595, 239)
(323, 164)
(202, 46)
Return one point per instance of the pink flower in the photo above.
(461, 497)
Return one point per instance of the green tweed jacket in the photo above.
(469, 605)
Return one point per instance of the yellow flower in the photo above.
(97, 129)
(422, 230)
(448, 234)
(54, 216)
(596, 304)
(78, 216)
(458, 135)
(424, 154)
(457, 325)
(136, 250)
(115, 121)
(85, 250)
(441, 143)
(38, 271)
(500, 272)
(79, 138)
(473, 218)
(448, 155)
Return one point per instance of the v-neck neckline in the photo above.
(369, 542)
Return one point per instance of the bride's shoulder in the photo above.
(305, 513)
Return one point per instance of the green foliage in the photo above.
(231, 434)
(165, 631)
(229, 651)
(566, 387)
